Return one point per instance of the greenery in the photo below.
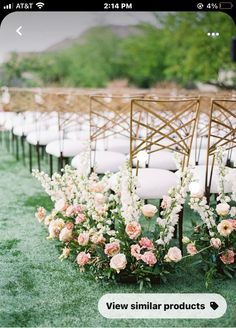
(177, 49)
(39, 290)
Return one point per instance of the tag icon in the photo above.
(214, 305)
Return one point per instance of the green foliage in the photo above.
(176, 49)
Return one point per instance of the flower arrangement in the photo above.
(112, 234)
(215, 239)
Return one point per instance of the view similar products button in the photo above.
(150, 306)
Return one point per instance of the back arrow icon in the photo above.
(18, 30)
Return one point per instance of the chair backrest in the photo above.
(221, 133)
(165, 124)
(109, 116)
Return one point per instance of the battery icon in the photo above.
(226, 5)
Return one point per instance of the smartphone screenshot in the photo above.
(118, 164)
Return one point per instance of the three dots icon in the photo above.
(213, 34)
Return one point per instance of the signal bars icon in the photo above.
(9, 6)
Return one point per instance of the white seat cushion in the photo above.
(161, 160)
(152, 183)
(67, 147)
(120, 145)
(104, 161)
(199, 174)
(23, 130)
(43, 137)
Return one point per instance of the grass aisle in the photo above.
(37, 290)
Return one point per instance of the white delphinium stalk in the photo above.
(50, 185)
(170, 214)
(130, 202)
(219, 156)
(234, 189)
(200, 206)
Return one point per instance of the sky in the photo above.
(43, 29)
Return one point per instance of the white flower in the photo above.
(118, 262)
(233, 211)
(185, 240)
(222, 209)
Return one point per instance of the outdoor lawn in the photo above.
(37, 289)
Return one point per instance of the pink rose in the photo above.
(61, 205)
(146, 243)
(65, 234)
(149, 258)
(133, 229)
(80, 218)
(225, 228)
(228, 257)
(97, 239)
(40, 214)
(215, 242)
(118, 262)
(55, 227)
(166, 202)
(112, 249)
(70, 210)
(65, 252)
(149, 210)
(73, 210)
(135, 251)
(83, 238)
(173, 255)
(191, 249)
(83, 258)
(233, 222)
(70, 225)
(222, 209)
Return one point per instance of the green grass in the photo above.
(37, 290)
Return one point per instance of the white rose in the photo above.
(118, 262)
(149, 210)
(215, 242)
(222, 209)
(173, 255)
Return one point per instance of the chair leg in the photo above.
(38, 156)
(51, 164)
(60, 162)
(30, 157)
(17, 148)
(23, 148)
(181, 215)
(12, 139)
(7, 141)
(208, 195)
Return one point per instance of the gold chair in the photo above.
(161, 128)
(221, 133)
